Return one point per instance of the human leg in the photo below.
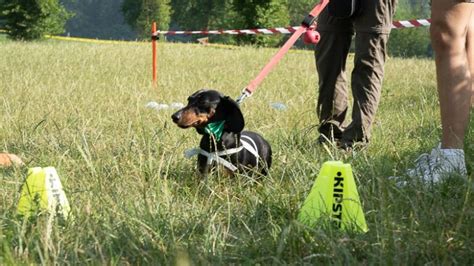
(331, 54)
(332, 99)
(449, 31)
(470, 55)
(367, 77)
(451, 34)
(372, 28)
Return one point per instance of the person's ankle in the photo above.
(449, 144)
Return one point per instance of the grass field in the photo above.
(136, 200)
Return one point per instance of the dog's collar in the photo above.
(215, 129)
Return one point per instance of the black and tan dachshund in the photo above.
(220, 122)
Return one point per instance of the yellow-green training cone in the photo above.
(42, 191)
(334, 195)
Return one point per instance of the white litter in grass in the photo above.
(156, 106)
(279, 106)
(177, 105)
(151, 105)
(163, 106)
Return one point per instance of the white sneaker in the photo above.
(438, 164)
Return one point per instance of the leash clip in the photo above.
(245, 94)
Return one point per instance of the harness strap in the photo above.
(216, 156)
(252, 148)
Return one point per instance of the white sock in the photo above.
(453, 153)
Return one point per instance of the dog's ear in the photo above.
(234, 118)
(193, 96)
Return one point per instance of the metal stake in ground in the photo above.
(154, 37)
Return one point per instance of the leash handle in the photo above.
(308, 21)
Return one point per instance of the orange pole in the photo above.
(154, 36)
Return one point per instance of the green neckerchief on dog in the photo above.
(216, 129)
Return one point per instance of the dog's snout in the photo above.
(176, 116)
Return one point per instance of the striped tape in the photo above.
(286, 30)
(413, 23)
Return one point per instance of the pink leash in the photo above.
(307, 24)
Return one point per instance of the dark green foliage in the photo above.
(204, 14)
(261, 14)
(226, 14)
(141, 14)
(101, 19)
(33, 19)
(201, 14)
(411, 42)
(298, 10)
(2, 17)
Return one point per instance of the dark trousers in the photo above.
(372, 27)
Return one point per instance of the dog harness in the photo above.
(247, 143)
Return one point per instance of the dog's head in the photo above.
(209, 106)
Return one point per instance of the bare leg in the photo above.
(452, 36)
(470, 54)
(451, 22)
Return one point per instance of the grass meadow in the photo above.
(136, 199)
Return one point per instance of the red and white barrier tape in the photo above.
(286, 30)
(413, 23)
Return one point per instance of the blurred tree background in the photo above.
(415, 41)
(32, 19)
(140, 15)
(131, 19)
(102, 19)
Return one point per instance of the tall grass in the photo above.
(136, 200)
